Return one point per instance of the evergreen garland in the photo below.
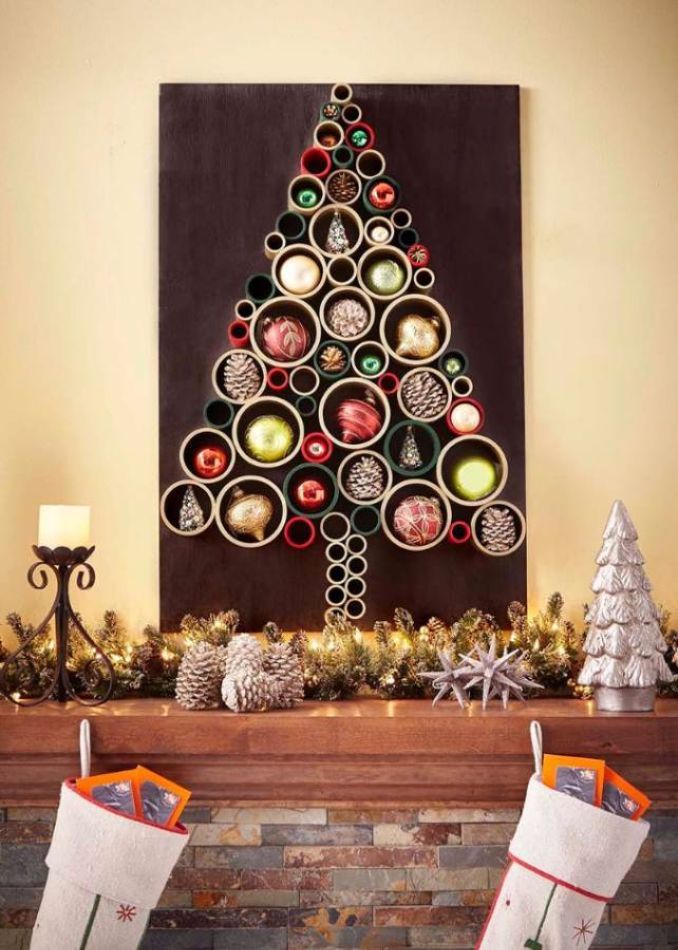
(338, 663)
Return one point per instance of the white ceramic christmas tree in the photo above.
(624, 646)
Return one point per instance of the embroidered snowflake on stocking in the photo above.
(126, 912)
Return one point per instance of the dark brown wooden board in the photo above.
(227, 154)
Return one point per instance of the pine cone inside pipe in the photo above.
(199, 677)
(283, 667)
(332, 359)
(498, 529)
(242, 377)
(343, 188)
(365, 478)
(424, 395)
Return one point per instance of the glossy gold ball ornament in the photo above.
(417, 337)
(268, 438)
(249, 513)
(299, 274)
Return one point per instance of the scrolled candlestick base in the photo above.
(98, 673)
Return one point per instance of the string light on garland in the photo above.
(338, 662)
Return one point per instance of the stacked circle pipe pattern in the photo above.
(339, 345)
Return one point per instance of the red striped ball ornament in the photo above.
(359, 419)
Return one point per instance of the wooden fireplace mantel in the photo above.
(362, 751)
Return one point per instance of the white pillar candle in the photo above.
(63, 526)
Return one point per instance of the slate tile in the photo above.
(263, 939)
(286, 878)
(443, 938)
(246, 898)
(647, 937)
(15, 939)
(463, 815)
(371, 816)
(389, 938)
(428, 916)
(271, 816)
(11, 917)
(640, 893)
(463, 898)
(360, 857)
(644, 914)
(172, 898)
(235, 835)
(472, 856)
(244, 857)
(338, 835)
(20, 897)
(177, 940)
(22, 865)
(321, 918)
(371, 879)
(31, 814)
(462, 879)
(28, 832)
(204, 878)
(417, 834)
(498, 832)
(196, 814)
(366, 898)
(216, 918)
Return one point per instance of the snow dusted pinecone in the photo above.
(424, 395)
(283, 667)
(365, 478)
(199, 677)
(247, 690)
(498, 529)
(243, 653)
(242, 377)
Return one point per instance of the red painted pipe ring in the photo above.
(277, 379)
(388, 383)
(238, 333)
(459, 532)
(316, 161)
(364, 127)
(316, 447)
(473, 402)
(295, 523)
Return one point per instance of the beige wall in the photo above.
(78, 276)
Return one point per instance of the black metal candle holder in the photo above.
(98, 672)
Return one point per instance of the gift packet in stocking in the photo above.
(115, 843)
(565, 862)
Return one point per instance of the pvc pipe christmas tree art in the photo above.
(338, 339)
(624, 645)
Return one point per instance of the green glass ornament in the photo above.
(268, 438)
(474, 477)
(370, 364)
(385, 277)
(307, 198)
(359, 138)
(453, 366)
